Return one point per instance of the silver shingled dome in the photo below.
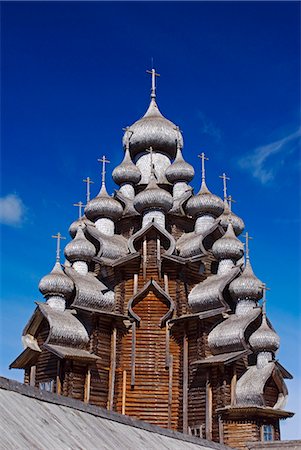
(153, 130)
(80, 249)
(264, 338)
(127, 171)
(228, 246)
(153, 197)
(204, 203)
(179, 170)
(77, 223)
(56, 283)
(103, 206)
(246, 286)
(237, 222)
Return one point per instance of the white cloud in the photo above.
(12, 210)
(209, 128)
(257, 161)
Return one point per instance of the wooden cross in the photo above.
(128, 136)
(247, 237)
(80, 206)
(224, 178)
(58, 244)
(230, 200)
(154, 75)
(203, 158)
(264, 299)
(88, 181)
(104, 161)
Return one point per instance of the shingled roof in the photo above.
(34, 419)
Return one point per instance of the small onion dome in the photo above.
(77, 223)
(80, 249)
(204, 203)
(56, 283)
(103, 206)
(228, 246)
(179, 170)
(246, 286)
(153, 130)
(153, 197)
(237, 222)
(264, 338)
(127, 171)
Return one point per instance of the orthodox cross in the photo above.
(128, 136)
(264, 299)
(88, 181)
(224, 178)
(203, 158)
(230, 200)
(247, 237)
(80, 206)
(150, 151)
(154, 75)
(104, 161)
(58, 245)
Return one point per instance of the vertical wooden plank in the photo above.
(166, 283)
(233, 385)
(123, 391)
(208, 408)
(112, 369)
(144, 257)
(170, 378)
(58, 378)
(159, 256)
(135, 283)
(167, 337)
(32, 377)
(133, 354)
(87, 385)
(185, 382)
(220, 430)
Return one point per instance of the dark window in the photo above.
(196, 430)
(268, 432)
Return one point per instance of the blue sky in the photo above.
(73, 74)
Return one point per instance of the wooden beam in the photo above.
(166, 283)
(208, 408)
(233, 386)
(58, 378)
(167, 337)
(123, 391)
(135, 283)
(159, 256)
(170, 378)
(144, 257)
(32, 376)
(220, 430)
(87, 385)
(185, 382)
(112, 369)
(133, 355)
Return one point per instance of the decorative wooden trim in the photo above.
(87, 385)
(133, 355)
(58, 378)
(123, 392)
(112, 369)
(185, 382)
(170, 379)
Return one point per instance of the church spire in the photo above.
(154, 74)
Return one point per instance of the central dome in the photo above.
(153, 130)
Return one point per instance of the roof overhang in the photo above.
(239, 412)
(224, 358)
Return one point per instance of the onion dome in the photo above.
(77, 223)
(204, 203)
(237, 222)
(103, 206)
(153, 197)
(153, 130)
(127, 171)
(56, 283)
(80, 249)
(179, 170)
(247, 285)
(264, 338)
(228, 246)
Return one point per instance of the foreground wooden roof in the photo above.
(34, 419)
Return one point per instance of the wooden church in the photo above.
(155, 313)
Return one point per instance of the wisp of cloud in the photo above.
(256, 161)
(12, 210)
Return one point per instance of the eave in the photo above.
(223, 359)
(240, 412)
